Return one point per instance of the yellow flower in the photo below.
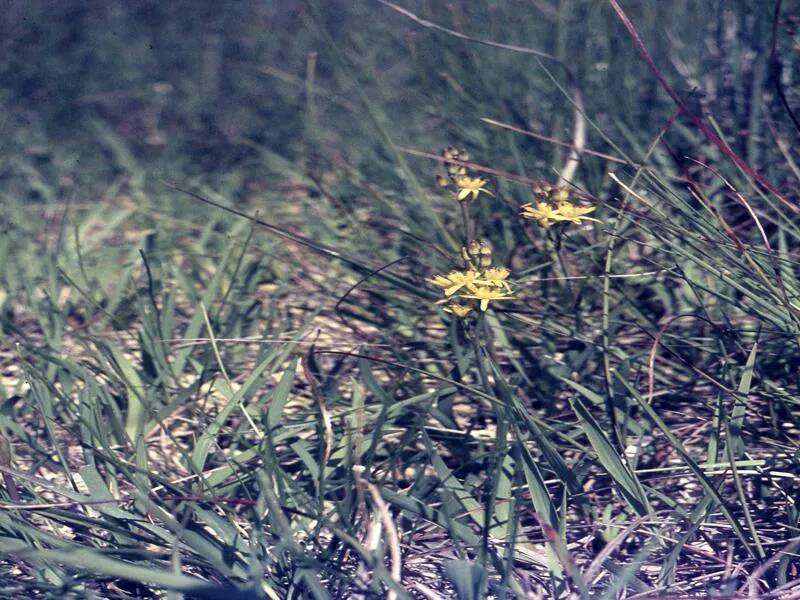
(455, 280)
(543, 213)
(572, 213)
(485, 295)
(496, 277)
(470, 186)
(459, 310)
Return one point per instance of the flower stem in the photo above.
(466, 222)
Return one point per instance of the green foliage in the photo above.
(203, 403)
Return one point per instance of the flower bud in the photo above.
(561, 195)
(485, 254)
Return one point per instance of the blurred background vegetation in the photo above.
(202, 89)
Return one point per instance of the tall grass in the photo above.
(249, 391)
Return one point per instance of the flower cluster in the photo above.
(479, 284)
(554, 206)
(458, 178)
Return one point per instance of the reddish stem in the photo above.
(705, 129)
